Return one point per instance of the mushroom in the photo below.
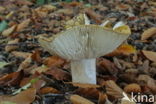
(82, 44)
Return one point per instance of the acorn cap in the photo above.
(84, 42)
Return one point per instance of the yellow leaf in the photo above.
(124, 49)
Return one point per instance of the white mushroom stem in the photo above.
(84, 71)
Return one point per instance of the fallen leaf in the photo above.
(25, 97)
(21, 54)
(9, 31)
(12, 45)
(124, 49)
(107, 66)
(150, 55)
(54, 61)
(47, 90)
(58, 74)
(102, 98)
(113, 89)
(96, 17)
(12, 78)
(23, 25)
(133, 87)
(75, 4)
(88, 92)
(25, 63)
(76, 99)
(36, 56)
(148, 33)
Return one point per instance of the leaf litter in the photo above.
(130, 68)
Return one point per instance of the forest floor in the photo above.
(30, 75)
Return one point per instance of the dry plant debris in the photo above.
(30, 75)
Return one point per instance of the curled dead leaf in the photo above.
(148, 33)
(150, 55)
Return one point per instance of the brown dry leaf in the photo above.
(58, 74)
(102, 98)
(147, 80)
(9, 31)
(123, 7)
(148, 33)
(124, 49)
(94, 15)
(12, 45)
(47, 90)
(74, 4)
(152, 85)
(150, 55)
(21, 54)
(54, 61)
(133, 87)
(25, 97)
(12, 78)
(107, 66)
(76, 99)
(42, 11)
(65, 11)
(23, 25)
(113, 89)
(36, 56)
(88, 92)
(25, 64)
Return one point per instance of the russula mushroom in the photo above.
(82, 44)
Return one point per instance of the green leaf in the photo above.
(2, 64)
(3, 25)
(40, 2)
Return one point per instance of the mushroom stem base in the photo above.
(84, 71)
